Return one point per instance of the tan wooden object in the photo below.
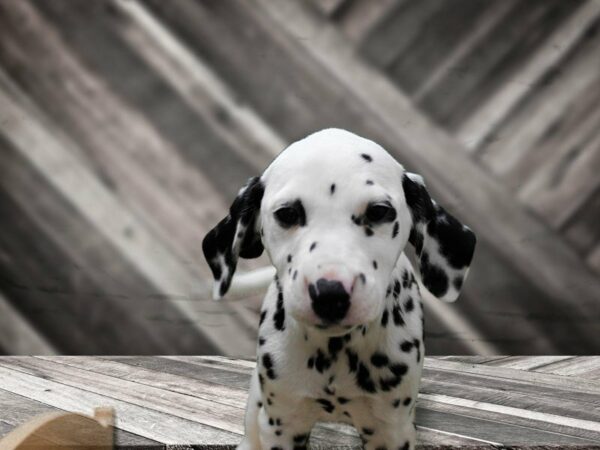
(59, 430)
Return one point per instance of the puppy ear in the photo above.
(443, 245)
(235, 235)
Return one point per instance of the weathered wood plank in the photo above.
(185, 369)
(495, 433)
(110, 218)
(217, 393)
(582, 230)
(478, 73)
(17, 409)
(526, 127)
(17, 335)
(213, 363)
(552, 381)
(527, 362)
(565, 183)
(362, 15)
(571, 367)
(383, 101)
(88, 271)
(219, 416)
(394, 33)
(514, 429)
(518, 395)
(486, 118)
(438, 36)
(450, 65)
(139, 420)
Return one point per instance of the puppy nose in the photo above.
(330, 300)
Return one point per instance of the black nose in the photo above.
(330, 301)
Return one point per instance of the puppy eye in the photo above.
(291, 215)
(380, 212)
(287, 217)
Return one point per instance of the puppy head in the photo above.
(334, 212)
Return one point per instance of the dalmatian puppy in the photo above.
(341, 327)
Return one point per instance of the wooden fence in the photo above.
(126, 128)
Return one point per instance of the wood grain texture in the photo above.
(157, 112)
(195, 401)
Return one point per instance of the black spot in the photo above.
(259, 404)
(366, 157)
(379, 359)
(279, 316)
(261, 380)
(457, 243)
(407, 401)
(395, 229)
(289, 258)
(295, 275)
(405, 279)
(261, 341)
(277, 432)
(334, 346)
(326, 404)
(418, 200)
(458, 281)
(406, 346)
(387, 384)
(381, 447)
(369, 183)
(271, 421)
(417, 345)
(278, 422)
(300, 438)
(352, 360)
(397, 288)
(389, 291)
(374, 264)
(362, 278)
(397, 316)
(311, 362)
(384, 318)
(276, 448)
(406, 445)
(368, 431)
(433, 277)
(328, 390)
(332, 189)
(342, 400)
(312, 246)
(269, 402)
(346, 413)
(398, 369)
(396, 403)
(368, 231)
(322, 362)
(268, 364)
(263, 314)
(409, 305)
(416, 239)
(363, 379)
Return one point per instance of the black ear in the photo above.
(235, 235)
(443, 245)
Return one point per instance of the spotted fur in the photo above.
(341, 326)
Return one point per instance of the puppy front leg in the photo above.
(251, 440)
(285, 426)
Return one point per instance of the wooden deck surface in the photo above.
(184, 401)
